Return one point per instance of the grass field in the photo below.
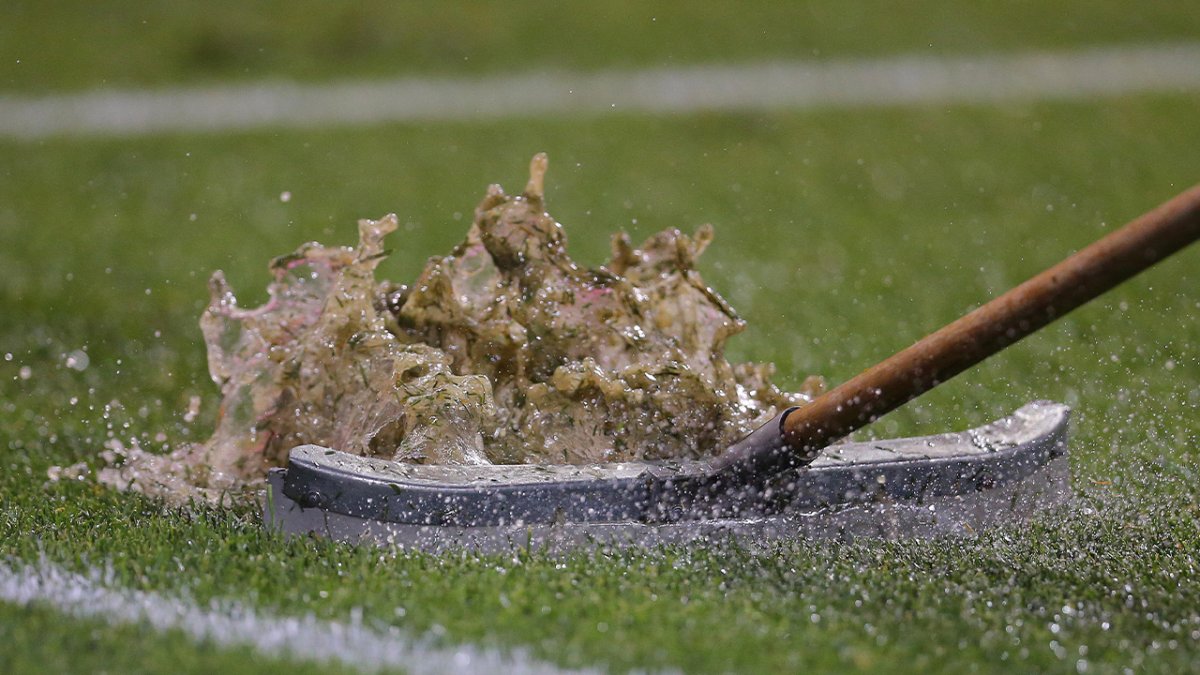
(54, 46)
(841, 237)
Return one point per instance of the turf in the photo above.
(38, 640)
(841, 237)
(70, 45)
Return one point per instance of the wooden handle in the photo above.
(976, 336)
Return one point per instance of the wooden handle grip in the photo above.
(989, 329)
(798, 438)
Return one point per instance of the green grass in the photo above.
(38, 640)
(841, 237)
(47, 46)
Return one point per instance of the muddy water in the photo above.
(504, 351)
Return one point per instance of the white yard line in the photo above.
(356, 644)
(837, 83)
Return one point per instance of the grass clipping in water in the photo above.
(505, 351)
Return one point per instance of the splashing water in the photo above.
(505, 351)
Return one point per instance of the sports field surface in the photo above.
(843, 234)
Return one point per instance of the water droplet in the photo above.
(78, 360)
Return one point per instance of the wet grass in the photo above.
(841, 238)
(73, 45)
(39, 640)
(1111, 588)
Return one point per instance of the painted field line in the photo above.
(840, 83)
(356, 644)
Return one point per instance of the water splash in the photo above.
(504, 351)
